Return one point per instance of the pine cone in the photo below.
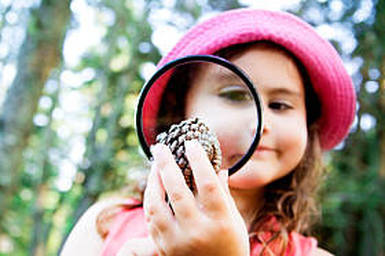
(191, 129)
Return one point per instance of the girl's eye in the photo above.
(277, 105)
(235, 94)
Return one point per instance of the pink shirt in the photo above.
(129, 223)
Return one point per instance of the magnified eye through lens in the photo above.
(236, 94)
(208, 89)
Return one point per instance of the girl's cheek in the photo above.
(232, 130)
(234, 144)
(292, 139)
(227, 139)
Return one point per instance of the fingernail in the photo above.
(159, 154)
(155, 150)
(224, 174)
(191, 144)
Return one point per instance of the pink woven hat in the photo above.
(327, 73)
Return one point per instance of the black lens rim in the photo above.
(201, 58)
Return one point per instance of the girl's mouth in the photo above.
(264, 148)
(234, 158)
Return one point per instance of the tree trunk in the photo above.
(39, 54)
(381, 100)
(41, 226)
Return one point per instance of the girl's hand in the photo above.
(206, 224)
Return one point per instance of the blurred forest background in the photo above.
(70, 73)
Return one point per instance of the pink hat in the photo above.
(328, 76)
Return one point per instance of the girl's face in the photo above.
(284, 135)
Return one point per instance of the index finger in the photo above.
(210, 191)
(181, 198)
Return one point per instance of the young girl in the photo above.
(266, 206)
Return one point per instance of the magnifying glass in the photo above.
(203, 95)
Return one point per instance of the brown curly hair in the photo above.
(291, 200)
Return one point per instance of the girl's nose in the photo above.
(253, 123)
(266, 123)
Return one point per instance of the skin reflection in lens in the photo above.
(229, 109)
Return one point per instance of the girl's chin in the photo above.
(244, 180)
(251, 176)
(245, 185)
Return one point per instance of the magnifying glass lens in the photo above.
(210, 102)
